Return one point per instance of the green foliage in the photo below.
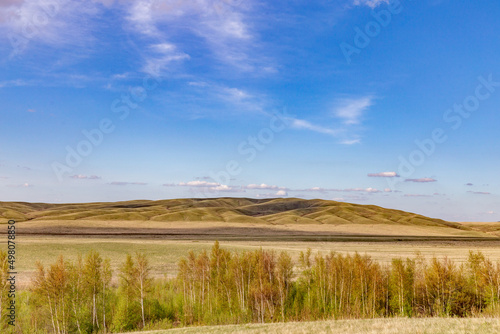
(223, 287)
(127, 315)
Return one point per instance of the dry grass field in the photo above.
(371, 326)
(164, 254)
(237, 210)
(167, 230)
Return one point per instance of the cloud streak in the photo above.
(370, 3)
(264, 186)
(350, 111)
(208, 186)
(383, 174)
(422, 180)
(85, 177)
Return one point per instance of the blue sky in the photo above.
(392, 103)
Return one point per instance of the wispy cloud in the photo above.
(303, 124)
(119, 183)
(198, 183)
(16, 83)
(54, 23)
(85, 177)
(416, 195)
(23, 167)
(350, 111)
(317, 189)
(222, 25)
(22, 185)
(264, 186)
(479, 192)
(215, 99)
(360, 190)
(160, 56)
(370, 3)
(209, 186)
(384, 174)
(279, 193)
(366, 190)
(350, 141)
(422, 180)
(226, 188)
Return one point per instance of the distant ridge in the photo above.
(274, 211)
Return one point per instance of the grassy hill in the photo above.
(235, 210)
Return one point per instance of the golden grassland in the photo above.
(164, 254)
(379, 326)
(167, 230)
(237, 210)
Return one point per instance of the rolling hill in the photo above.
(235, 210)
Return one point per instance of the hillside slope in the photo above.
(236, 210)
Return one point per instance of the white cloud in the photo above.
(422, 180)
(351, 110)
(141, 15)
(370, 3)
(23, 185)
(371, 190)
(52, 22)
(208, 186)
(318, 189)
(85, 177)
(226, 188)
(235, 94)
(221, 24)
(264, 186)
(160, 57)
(15, 83)
(479, 192)
(280, 193)
(350, 141)
(416, 195)
(198, 184)
(302, 124)
(361, 190)
(384, 174)
(226, 98)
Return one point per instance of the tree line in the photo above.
(224, 287)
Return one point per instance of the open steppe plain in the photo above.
(167, 230)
